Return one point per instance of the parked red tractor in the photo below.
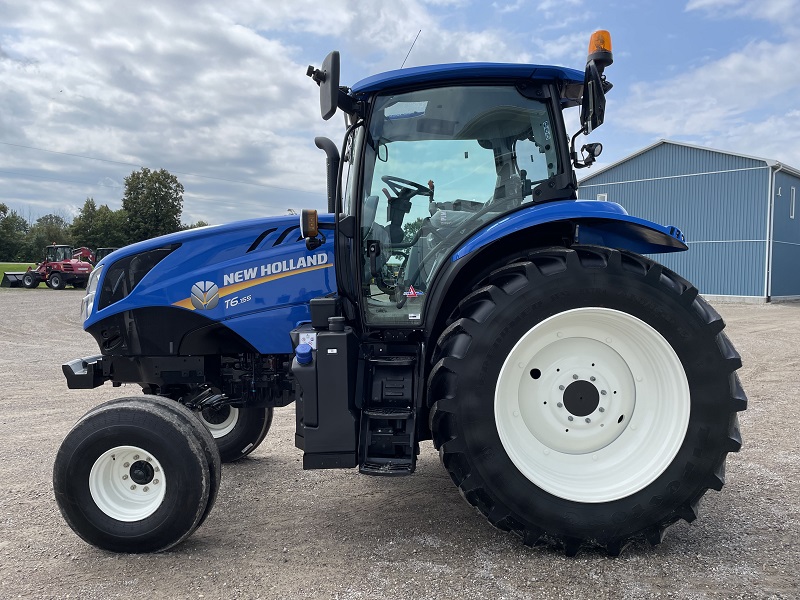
(59, 267)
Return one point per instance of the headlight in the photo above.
(87, 304)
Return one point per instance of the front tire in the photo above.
(132, 476)
(585, 397)
(237, 430)
(30, 281)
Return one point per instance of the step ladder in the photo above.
(388, 443)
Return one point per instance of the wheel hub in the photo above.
(142, 472)
(581, 398)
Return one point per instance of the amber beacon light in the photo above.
(600, 49)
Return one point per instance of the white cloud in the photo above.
(147, 86)
(780, 11)
(709, 97)
(508, 7)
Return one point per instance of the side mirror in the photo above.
(595, 86)
(328, 80)
(593, 107)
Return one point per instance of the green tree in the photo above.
(199, 223)
(47, 230)
(111, 228)
(411, 229)
(13, 229)
(153, 202)
(83, 228)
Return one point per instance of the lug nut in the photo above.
(569, 418)
(588, 420)
(574, 376)
(560, 405)
(124, 476)
(561, 387)
(602, 409)
(155, 481)
(145, 489)
(592, 378)
(133, 487)
(126, 465)
(135, 457)
(603, 392)
(156, 469)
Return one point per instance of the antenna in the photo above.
(410, 49)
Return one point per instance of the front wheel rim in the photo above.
(220, 422)
(127, 483)
(592, 405)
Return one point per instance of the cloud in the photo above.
(508, 7)
(742, 101)
(149, 87)
(780, 11)
(216, 90)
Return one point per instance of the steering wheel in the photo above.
(399, 186)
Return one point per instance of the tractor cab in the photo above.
(57, 253)
(433, 155)
(434, 165)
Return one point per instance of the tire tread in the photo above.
(485, 299)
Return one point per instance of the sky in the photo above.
(216, 92)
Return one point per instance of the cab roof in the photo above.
(464, 72)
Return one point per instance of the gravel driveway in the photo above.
(280, 532)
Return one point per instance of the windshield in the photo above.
(438, 164)
(58, 253)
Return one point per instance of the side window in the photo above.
(602, 197)
(532, 158)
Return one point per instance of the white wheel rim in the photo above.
(223, 428)
(584, 445)
(127, 483)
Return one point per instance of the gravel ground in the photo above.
(280, 532)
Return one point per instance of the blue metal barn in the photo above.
(739, 214)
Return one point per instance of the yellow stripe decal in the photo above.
(238, 287)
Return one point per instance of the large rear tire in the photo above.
(133, 476)
(56, 281)
(585, 397)
(237, 430)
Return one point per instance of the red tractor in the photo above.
(60, 266)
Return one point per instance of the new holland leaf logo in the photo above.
(205, 295)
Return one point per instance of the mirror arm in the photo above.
(347, 103)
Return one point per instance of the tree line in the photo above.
(151, 206)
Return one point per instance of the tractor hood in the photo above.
(226, 273)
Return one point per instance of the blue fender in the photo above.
(600, 223)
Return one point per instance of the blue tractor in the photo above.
(579, 393)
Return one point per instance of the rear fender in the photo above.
(553, 224)
(591, 221)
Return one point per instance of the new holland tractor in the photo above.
(579, 393)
